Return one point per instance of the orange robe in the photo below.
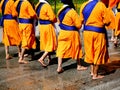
(48, 40)
(117, 21)
(95, 46)
(26, 29)
(117, 24)
(112, 19)
(11, 34)
(69, 44)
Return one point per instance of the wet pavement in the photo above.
(33, 76)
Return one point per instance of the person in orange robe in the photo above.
(69, 44)
(11, 34)
(117, 24)
(26, 15)
(46, 19)
(94, 15)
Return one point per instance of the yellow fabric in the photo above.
(117, 24)
(112, 18)
(118, 7)
(48, 40)
(95, 19)
(27, 30)
(96, 51)
(11, 33)
(69, 45)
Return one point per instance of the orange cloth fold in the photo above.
(11, 33)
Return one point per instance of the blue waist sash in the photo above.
(21, 20)
(95, 29)
(65, 27)
(7, 16)
(44, 21)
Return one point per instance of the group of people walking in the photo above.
(19, 21)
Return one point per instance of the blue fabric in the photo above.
(18, 7)
(65, 27)
(95, 29)
(28, 21)
(39, 8)
(88, 9)
(3, 9)
(8, 16)
(86, 12)
(3, 6)
(61, 17)
(63, 13)
(1, 21)
(45, 22)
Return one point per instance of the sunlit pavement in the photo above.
(32, 76)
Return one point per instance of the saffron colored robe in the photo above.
(117, 24)
(26, 29)
(11, 33)
(69, 43)
(95, 44)
(48, 39)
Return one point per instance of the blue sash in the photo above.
(44, 21)
(93, 28)
(86, 12)
(65, 27)
(61, 17)
(3, 9)
(39, 8)
(8, 16)
(88, 9)
(27, 21)
(38, 13)
(18, 7)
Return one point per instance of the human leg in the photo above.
(79, 66)
(41, 59)
(7, 53)
(91, 70)
(21, 58)
(19, 50)
(112, 35)
(116, 41)
(95, 72)
(59, 68)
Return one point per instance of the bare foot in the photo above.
(8, 57)
(25, 55)
(81, 68)
(97, 77)
(42, 63)
(20, 61)
(60, 70)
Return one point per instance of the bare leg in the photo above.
(19, 50)
(116, 42)
(60, 69)
(95, 72)
(91, 70)
(79, 66)
(49, 58)
(21, 59)
(41, 59)
(7, 53)
(112, 36)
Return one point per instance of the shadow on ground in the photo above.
(110, 67)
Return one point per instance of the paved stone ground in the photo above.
(32, 76)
